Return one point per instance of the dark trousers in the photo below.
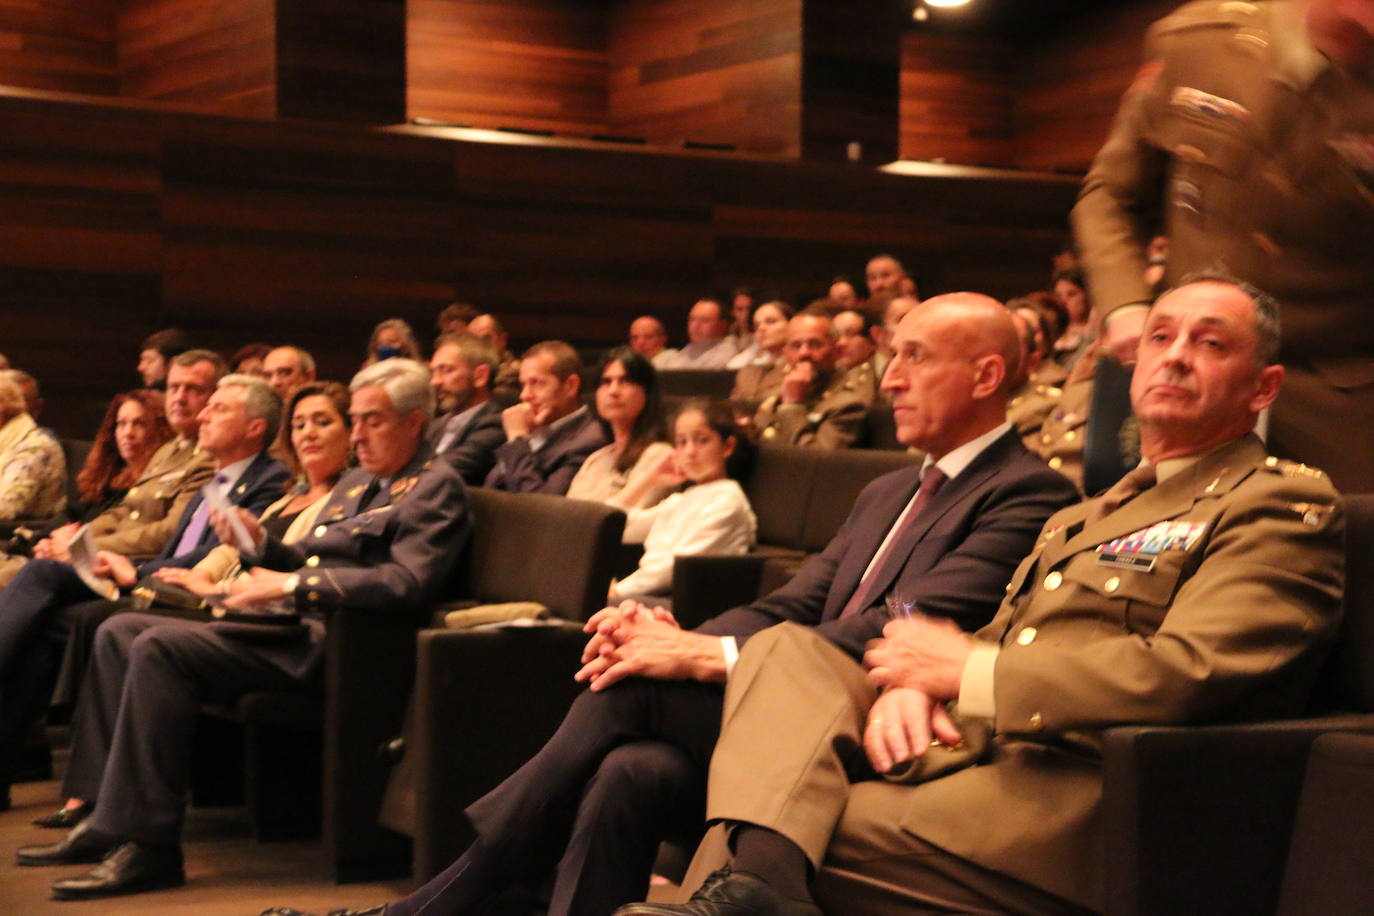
(33, 633)
(626, 769)
(135, 721)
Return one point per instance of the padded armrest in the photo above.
(1197, 819)
(706, 585)
(485, 702)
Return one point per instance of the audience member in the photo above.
(741, 308)
(155, 355)
(649, 339)
(134, 428)
(33, 470)
(1226, 624)
(884, 274)
(893, 309)
(856, 336)
(468, 429)
(316, 437)
(628, 761)
(1281, 195)
(1052, 318)
(1033, 401)
(454, 318)
(842, 291)
(549, 433)
(392, 338)
(36, 609)
(755, 382)
(711, 516)
(506, 386)
(149, 674)
(631, 417)
(1078, 336)
(287, 368)
(765, 346)
(708, 347)
(815, 406)
(247, 359)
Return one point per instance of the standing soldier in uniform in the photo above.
(1248, 140)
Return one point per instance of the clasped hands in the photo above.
(918, 665)
(633, 639)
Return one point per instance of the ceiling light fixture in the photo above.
(944, 3)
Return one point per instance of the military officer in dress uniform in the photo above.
(387, 540)
(140, 524)
(1248, 140)
(816, 405)
(1149, 604)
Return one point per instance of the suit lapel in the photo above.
(870, 530)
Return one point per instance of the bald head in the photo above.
(648, 337)
(954, 361)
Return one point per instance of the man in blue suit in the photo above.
(37, 609)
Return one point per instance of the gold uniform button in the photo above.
(313, 580)
(133, 491)
(1056, 463)
(1046, 438)
(1026, 636)
(320, 530)
(1054, 580)
(1035, 721)
(1271, 462)
(313, 596)
(312, 561)
(135, 514)
(1112, 584)
(1071, 435)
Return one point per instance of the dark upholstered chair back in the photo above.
(530, 547)
(1347, 680)
(840, 476)
(697, 383)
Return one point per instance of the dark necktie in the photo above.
(1121, 492)
(863, 596)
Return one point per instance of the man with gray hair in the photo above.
(287, 368)
(468, 430)
(387, 539)
(39, 607)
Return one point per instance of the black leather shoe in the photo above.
(64, 818)
(287, 911)
(727, 893)
(131, 868)
(82, 846)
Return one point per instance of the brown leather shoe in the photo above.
(727, 893)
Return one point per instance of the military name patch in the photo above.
(1195, 101)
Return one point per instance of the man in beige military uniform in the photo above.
(817, 405)
(1034, 401)
(1256, 120)
(139, 525)
(1198, 590)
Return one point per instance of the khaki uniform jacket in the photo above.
(1030, 407)
(833, 419)
(1254, 155)
(1245, 586)
(141, 523)
(1059, 440)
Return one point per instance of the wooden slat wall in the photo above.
(956, 99)
(1069, 88)
(342, 60)
(531, 64)
(216, 54)
(709, 71)
(851, 83)
(64, 45)
(127, 217)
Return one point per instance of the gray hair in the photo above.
(1268, 329)
(474, 350)
(260, 402)
(303, 358)
(405, 381)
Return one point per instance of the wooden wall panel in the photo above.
(64, 45)
(342, 60)
(127, 217)
(214, 54)
(709, 71)
(1068, 88)
(957, 99)
(851, 83)
(530, 64)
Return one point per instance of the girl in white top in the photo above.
(627, 405)
(710, 516)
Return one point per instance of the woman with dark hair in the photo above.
(710, 514)
(1070, 289)
(135, 425)
(247, 359)
(627, 404)
(761, 367)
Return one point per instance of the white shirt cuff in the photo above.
(976, 697)
(730, 649)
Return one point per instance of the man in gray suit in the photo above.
(387, 540)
